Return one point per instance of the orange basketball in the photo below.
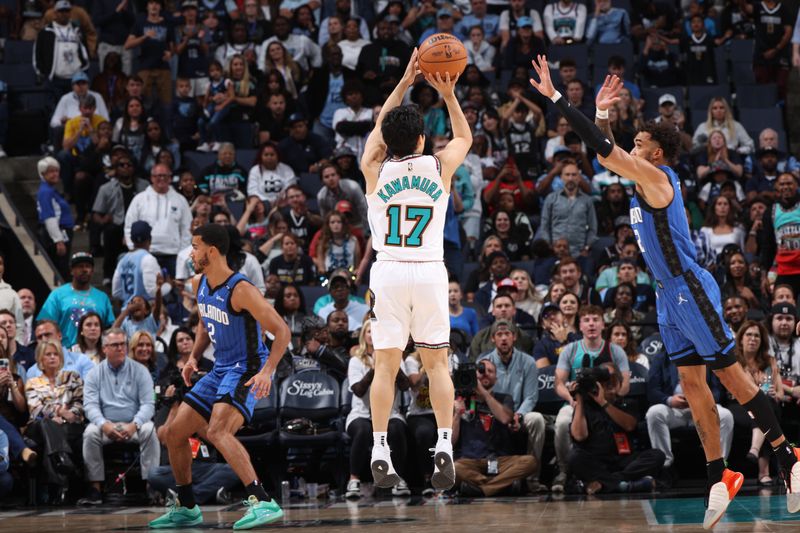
(442, 53)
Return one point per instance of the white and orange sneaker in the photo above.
(793, 485)
(720, 496)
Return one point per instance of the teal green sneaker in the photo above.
(258, 514)
(177, 517)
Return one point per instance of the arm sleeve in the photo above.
(591, 30)
(620, 359)
(150, 271)
(55, 121)
(253, 184)
(116, 285)
(146, 400)
(91, 399)
(565, 357)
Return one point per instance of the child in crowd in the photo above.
(185, 115)
(219, 97)
(138, 314)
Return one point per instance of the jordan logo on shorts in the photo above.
(681, 299)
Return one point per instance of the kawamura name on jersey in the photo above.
(425, 185)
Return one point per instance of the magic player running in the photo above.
(689, 311)
(407, 197)
(233, 315)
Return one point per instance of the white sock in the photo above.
(445, 435)
(380, 438)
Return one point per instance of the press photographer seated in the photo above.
(602, 456)
(481, 419)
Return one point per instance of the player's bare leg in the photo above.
(757, 404)
(381, 399)
(723, 484)
(442, 395)
(184, 512)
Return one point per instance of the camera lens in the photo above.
(481, 368)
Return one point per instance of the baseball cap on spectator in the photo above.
(501, 323)
(443, 13)
(783, 309)
(81, 257)
(140, 232)
(189, 4)
(494, 255)
(343, 151)
(63, 5)
(622, 220)
(80, 75)
(506, 283)
(667, 99)
(391, 18)
(340, 273)
(548, 309)
(343, 206)
(523, 22)
(770, 150)
(117, 147)
(294, 118)
(469, 105)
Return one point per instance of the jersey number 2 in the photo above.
(422, 215)
(638, 239)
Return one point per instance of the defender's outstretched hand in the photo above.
(608, 95)
(545, 85)
(445, 87)
(412, 70)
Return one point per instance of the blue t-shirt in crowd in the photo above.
(66, 306)
(50, 204)
(467, 321)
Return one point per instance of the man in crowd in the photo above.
(225, 174)
(119, 405)
(784, 344)
(302, 222)
(336, 189)
(486, 464)
(590, 352)
(69, 302)
(609, 25)
(138, 269)
(169, 216)
(28, 301)
(518, 377)
(303, 150)
(555, 335)
(153, 35)
(571, 276)
(779, 239)
(570, 213)
(503, 308)
(74, 361)
(734, 310)
(342, 299)
(60, 50)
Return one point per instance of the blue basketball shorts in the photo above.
(225, 385)
(691, 322)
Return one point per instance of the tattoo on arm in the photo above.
(605, 126)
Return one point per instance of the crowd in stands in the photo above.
(253, 114)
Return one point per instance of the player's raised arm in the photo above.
(647, 176)
(245, 297)
(375, 148)
(457, 149)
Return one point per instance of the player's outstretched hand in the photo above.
(545, 84)
(412, 70)
(444, 86)
(608, 95)
(262, 383)
(188, 369)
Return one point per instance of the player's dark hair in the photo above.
(214, 235)
(401, 129)
(665, 135)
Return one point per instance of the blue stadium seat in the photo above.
(758, 119)
(346, 398)
(701, 95)
(262, 428)
(721, 61)
(756, 96)
(312, 293)
(578, 52)
(245, 157)
(18, 52)
(314, 395)
(196, 162)
(18, 76)
(741, 50)
(742, 73)
(31, 98)
(310, 183)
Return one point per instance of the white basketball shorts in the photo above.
(409, 298)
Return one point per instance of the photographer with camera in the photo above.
(486, 464)
(327, 345)
(589, 352)
(518, 377)
(602, 457)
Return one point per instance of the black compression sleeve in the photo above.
(585, 128)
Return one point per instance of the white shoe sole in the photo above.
(380, 474)
(793, 495)
(444, 471)
(718, 502)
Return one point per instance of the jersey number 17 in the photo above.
(421, 214)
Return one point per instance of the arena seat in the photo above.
(262, 429)
(758, 119)
(310, 183)
(602, 52)
(18, 76)
(756, 96)
(721, 62)
(701, 95)
(742, 73)
(741, 50)
(18, 52)
(313, 395)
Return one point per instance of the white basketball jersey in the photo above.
(407, 210)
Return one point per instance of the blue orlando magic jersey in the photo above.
(663, 234)
(236, 336)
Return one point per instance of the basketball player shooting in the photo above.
(688, 304)
(407, 197)
(233, 316)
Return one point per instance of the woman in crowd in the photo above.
(352, 44)
(156, 142)
(90, 339)
(55, 216)
(523, 48)
(180, 348)
(619, 332)
(629, 113)
(142, 349)
(129, 129)
(293, 266)
(271, 248)
(337, 247)
(720, 227)
(481, 275)
(13, 405)
(479, 52)
(622, 129)
(752, 352)
(570, 305)
(304, 23)
(554, 293)
(254, 224)
(738, 282)
(360, 372)
(721, 118)
(495, 137)
(55, 404)
(526, 297)
(244, 90)
(291, 305)
(463, 318)
(717, 155)
(419, 417)
(515, 238)
(279, 60)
